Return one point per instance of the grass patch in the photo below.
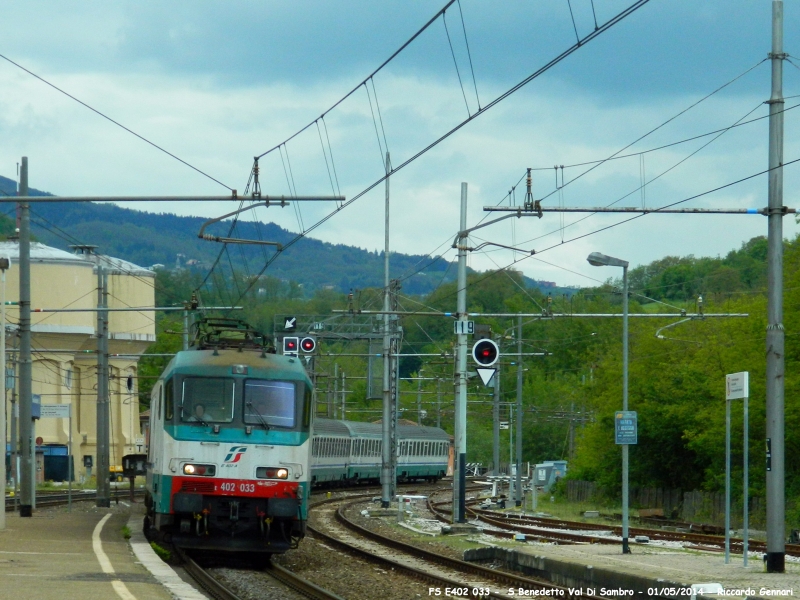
(163, 553)
(126, 532)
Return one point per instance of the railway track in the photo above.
(59, 498)
(287, 584)
(559, 530)
(462, 578)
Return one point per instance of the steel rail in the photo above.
(499, 577)
(221, 592)
(300, 585)
(204, 579)
(416, 573)
(60, 498)
(542, 528)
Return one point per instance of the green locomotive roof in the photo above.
(205, 362)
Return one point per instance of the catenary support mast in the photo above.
(26, 429)
(387, 474)
(460, 471)
(776, 549)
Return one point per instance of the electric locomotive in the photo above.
(229, 453)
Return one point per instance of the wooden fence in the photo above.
(694, 506)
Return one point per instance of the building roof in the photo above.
(48, 255)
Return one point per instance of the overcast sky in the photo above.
(217, 83)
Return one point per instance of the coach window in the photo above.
(207, 400)
(269, 403)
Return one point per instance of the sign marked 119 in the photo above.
(463, 327)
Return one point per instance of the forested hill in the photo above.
(148, 238)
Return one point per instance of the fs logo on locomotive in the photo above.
(234, 455)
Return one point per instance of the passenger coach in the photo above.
(346, 452)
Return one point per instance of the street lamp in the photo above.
(5, 263)
(601, 260)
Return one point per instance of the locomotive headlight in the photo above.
(272, 473)
(204, 470)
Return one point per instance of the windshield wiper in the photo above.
(259, 416)
(192, 418)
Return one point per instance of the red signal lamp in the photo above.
(485, 352)
(290, 345)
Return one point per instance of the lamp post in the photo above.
(601, 260)
(4, 264)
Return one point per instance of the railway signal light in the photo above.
(308, 344)
(485, 352)
(290, 345)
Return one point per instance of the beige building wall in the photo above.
(64, 346)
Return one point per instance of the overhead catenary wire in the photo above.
(380, 115)
(469, 54)
(663, 124)
(620, 199)
(117, 123)
(613, 225)
(607, 25)
(572, 16)
(325, 156)
(455, 62)
(330, 151)
(375, 72)
(381, 151)
(671, 144)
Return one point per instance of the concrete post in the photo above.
(26, 427)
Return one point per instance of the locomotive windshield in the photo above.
(269, 403)
(207, 400)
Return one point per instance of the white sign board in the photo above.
(463, 327)
(55, 411)
(737, 386)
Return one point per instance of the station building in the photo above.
(64, 350)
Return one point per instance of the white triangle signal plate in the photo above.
(486, 374)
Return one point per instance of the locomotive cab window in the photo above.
(169, 399)
(207, 400)
(270, 403)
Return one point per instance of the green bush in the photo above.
(163, 553)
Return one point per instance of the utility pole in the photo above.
(103, 484)
(496, 424)
(518, 484)
(335, 389)
(776, 549)
(439, 403)
(185, 330)
(26, 429)
(4, 264)
(14, 429)
(460, 472)
(419, 397)
(344, 395)
(388, 454)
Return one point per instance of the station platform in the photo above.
(59, 555)
(648, 571)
